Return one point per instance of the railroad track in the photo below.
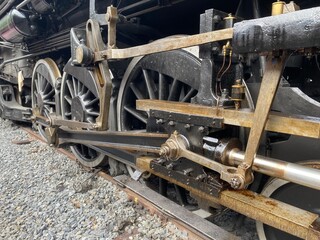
(195, 226)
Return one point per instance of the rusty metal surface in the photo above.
(165, 45)
(271, 212)
(101, 73)
(204, 229)
(268, 89)
(294, 124)
(277, 214)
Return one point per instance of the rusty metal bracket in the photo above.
(164, 45)
(298, 125)
(277, 214)
(101, 73)
(268, 89)
(112, 18)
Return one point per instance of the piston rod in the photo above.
(306, 176)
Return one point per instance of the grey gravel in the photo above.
(44, 195)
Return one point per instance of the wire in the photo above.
(229, 65)
(218, 78)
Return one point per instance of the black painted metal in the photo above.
(188, 119)
(212, 187)
(10, 108)
(300, 29)
(127, 138)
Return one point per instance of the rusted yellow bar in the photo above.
(165, 45)
(294, 124)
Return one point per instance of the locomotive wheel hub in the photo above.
(77, 109)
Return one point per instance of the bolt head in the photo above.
(171, 123)
(201, 129)
(235, 183)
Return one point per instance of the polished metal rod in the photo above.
(22, 4)
(292, 172)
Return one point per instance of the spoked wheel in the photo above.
(293, 194)
(80, 102)
(168, 76)
(171, 76)
(44, 78)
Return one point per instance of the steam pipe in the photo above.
(306, 176)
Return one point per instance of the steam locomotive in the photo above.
(216, 98)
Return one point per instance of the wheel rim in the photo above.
(44, 78)
(81, 103)
(152, 77)
(293, 194)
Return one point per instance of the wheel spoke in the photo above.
(48, 95)
(95, 114)
(94, 101)
(149, 84)
(136, 114)
(91, 153)
(163, 87)
(84, 150)
(36, 82)
(71, 90)
(82, 89)
(136, 91)
(86, 95)
(50, 103)
(79, 87)
(68, 99)
(74, 86)
(39, 77)
(46, 113)
(67, 114)
(47, 86)
(48, 108)
(175, 89)
(90, 120)
(189, 95)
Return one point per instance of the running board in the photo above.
(10, 108)
(200, 226)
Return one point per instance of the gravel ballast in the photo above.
(44, 195)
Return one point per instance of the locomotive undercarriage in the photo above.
(196, 141)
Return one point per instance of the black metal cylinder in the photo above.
(295, 30)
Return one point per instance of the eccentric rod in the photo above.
(306, 176)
